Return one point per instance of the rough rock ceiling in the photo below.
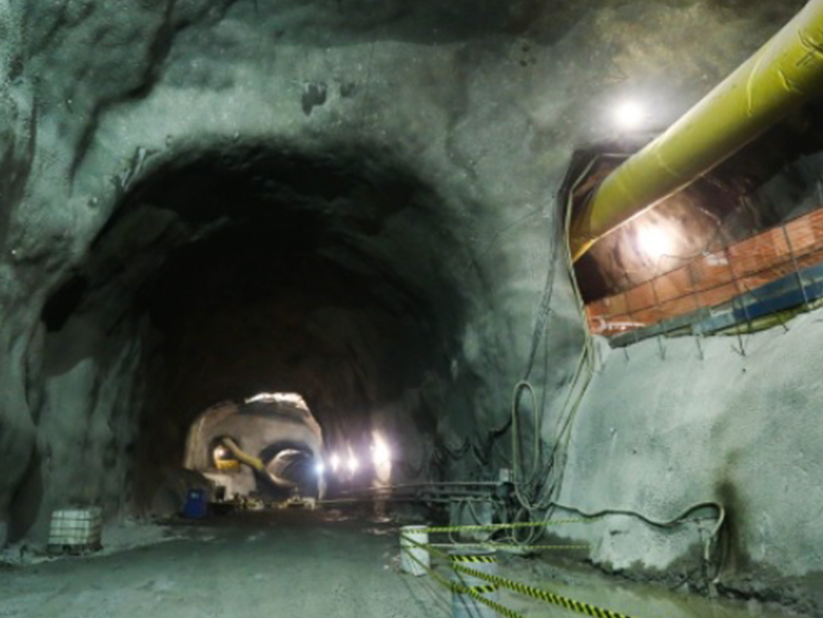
(199, 199)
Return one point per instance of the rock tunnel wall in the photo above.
(697, 426)
(477, 106)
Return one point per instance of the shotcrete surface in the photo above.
(669, 424)
(453, 127)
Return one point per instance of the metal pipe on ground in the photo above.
(448, 484)
(780, 77)
(446, 498)
(424, 485)
(434, 491)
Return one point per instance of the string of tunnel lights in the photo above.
(347, 464)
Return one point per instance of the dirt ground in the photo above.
(288, 564)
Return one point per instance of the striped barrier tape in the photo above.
(500, 609)
(542, 595)
(514, 526)
(487, 559)
(478, 589)
(524, 589)
(472, 591)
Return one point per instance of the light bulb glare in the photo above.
(630, 115)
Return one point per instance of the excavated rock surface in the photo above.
(355, 200)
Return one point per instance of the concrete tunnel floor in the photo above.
(297, 564)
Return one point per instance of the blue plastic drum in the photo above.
(196, 506)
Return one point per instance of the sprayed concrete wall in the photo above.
(416, 152)
(665, 427)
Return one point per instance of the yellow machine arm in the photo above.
(242, 456)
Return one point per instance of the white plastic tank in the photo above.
(76, 529)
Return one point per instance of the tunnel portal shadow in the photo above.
(213, 251)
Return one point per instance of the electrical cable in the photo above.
(516, 439)
(587, 358)
(565, 418)
(669, 523)
(542, 483)
(556, 462)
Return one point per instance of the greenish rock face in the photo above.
(358, 201)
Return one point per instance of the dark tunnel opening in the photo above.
(254, 271)
(212, 210)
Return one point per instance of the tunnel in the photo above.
(369, 307)
(279, 273)
(269, 445)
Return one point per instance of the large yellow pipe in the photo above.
(783, 74)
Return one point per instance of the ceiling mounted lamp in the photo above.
(630, 115)
(655, 242)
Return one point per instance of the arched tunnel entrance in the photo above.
(363, 202)
(252, 270)
(269, 446)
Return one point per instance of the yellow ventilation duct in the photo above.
(242, 456)
(783, 74)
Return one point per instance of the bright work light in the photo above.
(629, 115)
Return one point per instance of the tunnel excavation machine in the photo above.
(266, 447)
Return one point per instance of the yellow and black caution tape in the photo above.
(514, 526)
(524, 589)
(542, 595)
(468, 558)
(500, 609)
(472, 591)
(478, 589)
